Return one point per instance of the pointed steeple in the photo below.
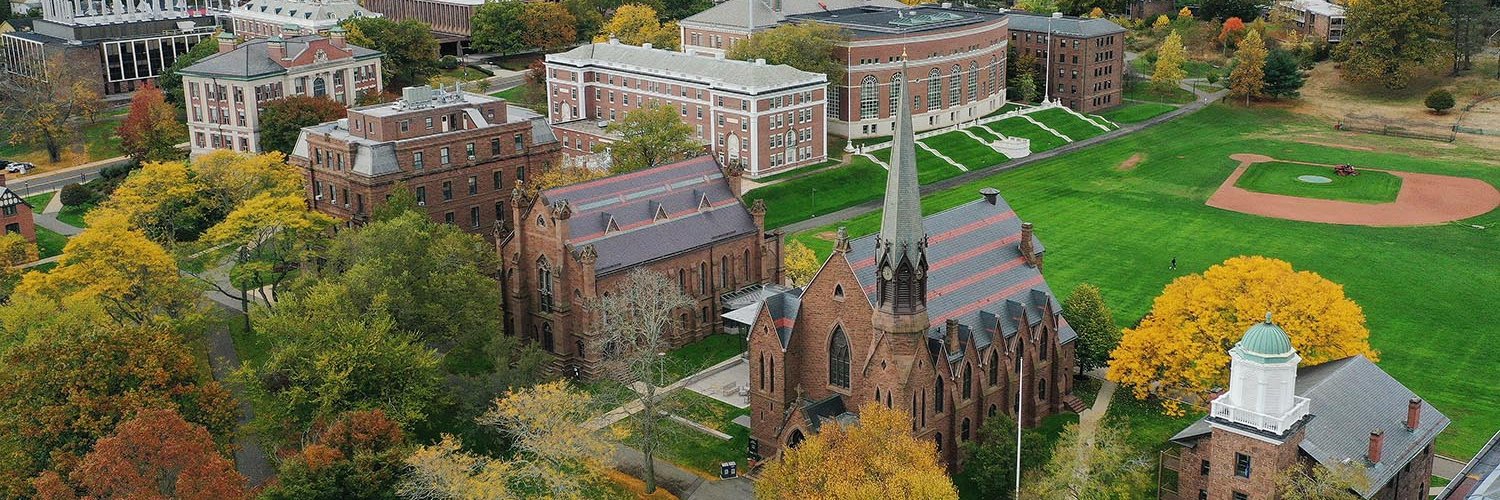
(901, 250)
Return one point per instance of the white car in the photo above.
(19, 167)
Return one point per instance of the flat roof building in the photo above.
(764, 117)
(263, 18)
(1316, 18)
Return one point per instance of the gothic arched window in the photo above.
(724, 271)
(994, 368)
(968, 381)
(795, 439)
(973, 80)
(838, 359)
(544, 284)
(762, 371)
(869, 99)
(937, 398)
(1041, 389)
(547, 337)
(895, 92)
(934, 89)
(963, 432)
(1041, 352)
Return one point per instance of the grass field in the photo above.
(521, 97)
(39, 201)
(972, 154)
(689, 448)
(1144, 92)
(693, 358)
(73, 216)
(837, 188)
(49, 242)
(1138, 112)
(95, 141)
(1041, 140)
(1119, 228)
(1278, 177)
(1064, 122)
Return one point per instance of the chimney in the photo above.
(1027, 248)
(276, 48)
(1413, 414)
(1377, 441)
(950, 334)
(226, 42)
(336, 36)
(290, 30)
(613, 40)
(991, 195)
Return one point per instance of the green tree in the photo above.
(400, 200)
(1321, 482)
(497, 27)
(1098, 334)
(1103, 465)
(1026, 87)
(411, 53)
(5, 12)
(1283, 75)
(991, 462)
(587, 19)
(281, 120)
(171, 80)
(1439, 101)
(681, 9)
(1473, 22)
(1249, 75)
(1390, 41)
(651, 137)
(1037, 6)
(1225, 9)
(1169, 59)
(547, 26)
(805, 46)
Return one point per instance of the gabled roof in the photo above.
(302, 13)
(10, 198)
(829, 409)
(632, 199)
(733, 13)
(1349, 398)
(250, 59)
(976, 275)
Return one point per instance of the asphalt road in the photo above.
(51, 181)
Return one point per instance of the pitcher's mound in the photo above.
(1424, 199)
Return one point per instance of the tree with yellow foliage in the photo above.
(875, 458)
(1182, 346)
(638, 24)
(14, 251)
(1100, 465)
(801, 263)
(1249, 75)
(1169, 60)
(1185, 12)
(554, 452)
(1162, 21)
(1097, 13)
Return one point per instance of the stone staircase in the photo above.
(1074, 404)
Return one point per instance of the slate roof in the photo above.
(976, 275)
(1319, 7)
(373, 158)
(654, 213)
(717, 73)
(870, 22)
(1066, 25)
(901, 230)
(829, 409)
(732, 12)
(1349, 398)
(250, 60)
(1479, 479)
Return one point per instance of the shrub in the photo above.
(448, 62)
(77, 194)
(1439, 101)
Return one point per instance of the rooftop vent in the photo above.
(416, 97)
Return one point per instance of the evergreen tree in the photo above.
(1283, 77)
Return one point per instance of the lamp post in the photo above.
(1047, 78)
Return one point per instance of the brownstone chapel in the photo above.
(947, 318)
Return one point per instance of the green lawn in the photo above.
(1041, 140)
(1144, 92)
(972, 154)
(695, 357)
(1062, 121)
(690, 448)
(801, 170)
(1137, 112)
(465, 73)
(521, 97)
(824, 192)
(1278, 177)
(73, 216)
(1118, 229)
(1008, 107)
(39, 201)
(983, 133)
(49, 242)
(1148, 429)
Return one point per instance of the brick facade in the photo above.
(16, 213)
(461, 159)
(1087, 69)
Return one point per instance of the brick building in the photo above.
(1273, 418)
(449, 20)
(716, 29)
(225, 91)
(767, 118)
(461, 154)
(946, 318)
(1085, 68)
(264, 18)
(1315, 18)
(573, 243)
(1149, 10)
(956, 60)
(16, 213)
(1480, 478)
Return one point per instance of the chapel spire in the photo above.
(901, 250)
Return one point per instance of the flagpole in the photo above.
(1020, 410)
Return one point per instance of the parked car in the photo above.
(19, 167)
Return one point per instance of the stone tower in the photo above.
(901, 249)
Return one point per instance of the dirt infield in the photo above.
(1424, 199)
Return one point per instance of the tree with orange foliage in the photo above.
(157, 454)
(1182, 347)
(876, 458)
(359, 456)
(151, 130)
(1233, 30)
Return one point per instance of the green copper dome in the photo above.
(1266, 341)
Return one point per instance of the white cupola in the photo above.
(1262, 382)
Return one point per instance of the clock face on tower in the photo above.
(886, 272)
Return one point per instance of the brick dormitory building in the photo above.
(946, 318)
(1276, 416)
(461, 154)
(1085, 68)
(574, 243)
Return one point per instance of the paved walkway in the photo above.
(250, 459)
(1088, 421)
(48, 218)
(635, 405)
(1204, 99)
(686, 485)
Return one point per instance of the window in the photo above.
(762, 378)
(448, 217)
(416, 159)
(428, 121)
(1241, 496)
(14, 227)
(934, 89)
(447, 190)
(869, 99)
(937, 398)
(474, 216)
(703, 277)
(473, 185)
(1202, 494)
(520, 140)
(405, 125)
(968, 382)
(443, 155)
(544, 284)
(421, 195)
(994, 368)
(963, 433)
(838, 359)
(10, 210)
(469, 149)
(1203, 468)
(1241, 465)
(973, 80)
(955, 82)
(498, 175)
(1041, 389)
(1041, 352)
(895, 92)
